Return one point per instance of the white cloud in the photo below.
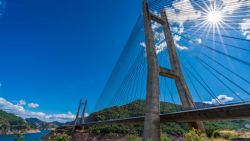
(22, 102)
(155, 25)
(198, 40)
(245, 28)
(181, 16)
(6, 105)
(142, 44)
(230, 6)
(178, 15)
(220, 98)
(19, 110)
(180, 47)
(33, 105)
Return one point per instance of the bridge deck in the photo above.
(226, 112)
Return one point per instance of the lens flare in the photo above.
(214, 16)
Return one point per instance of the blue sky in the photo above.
(219, 29)
(55, 52)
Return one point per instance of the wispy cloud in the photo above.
(19, 110)
(159, 37)
(220, 98)
(33, 105)
(230, 6)
(180, 18)
(22, 102)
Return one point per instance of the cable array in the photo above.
(216, 68)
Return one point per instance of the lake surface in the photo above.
(27, 137)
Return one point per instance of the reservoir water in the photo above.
(27, 137)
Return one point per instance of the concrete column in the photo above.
(77, 115)
(83, 112)
(152, 114)
(183, 91)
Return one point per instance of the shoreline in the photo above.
(32, 131)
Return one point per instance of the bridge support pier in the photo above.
(81, 120)
(181, 85)
(152, 115)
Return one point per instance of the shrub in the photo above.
(215, 134)
(212, 127)
(119, 129)
(226, 134)
(164, 137)
(134, 138)
(60, 137)
(194, 135)
(172, 128)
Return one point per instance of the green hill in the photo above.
(137, 109)
(10, 122)
(39, 124)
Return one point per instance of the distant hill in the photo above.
(39, 124)
(10, 123)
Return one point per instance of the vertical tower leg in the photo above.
(184, 94)
(82, 121)
(77, 116)
(152, 115)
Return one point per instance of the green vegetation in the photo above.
(134, 138)
(60, 137)
(10, 122)
(211, 127)
(194, 135)
(132, 110)
(19, 137)
(38, 124)
(120, 129)
(225, 134)
(171, 128)
(164, 137)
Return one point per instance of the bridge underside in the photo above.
(226, 112)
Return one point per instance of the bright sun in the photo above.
(214, 17)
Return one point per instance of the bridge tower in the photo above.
(152, 114)
(81, 120)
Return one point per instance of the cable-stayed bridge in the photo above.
(191, 54)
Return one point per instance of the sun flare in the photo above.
(214, 16)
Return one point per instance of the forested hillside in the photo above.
(137, 109)
(10, 122)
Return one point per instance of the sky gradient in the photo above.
(55, 52)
